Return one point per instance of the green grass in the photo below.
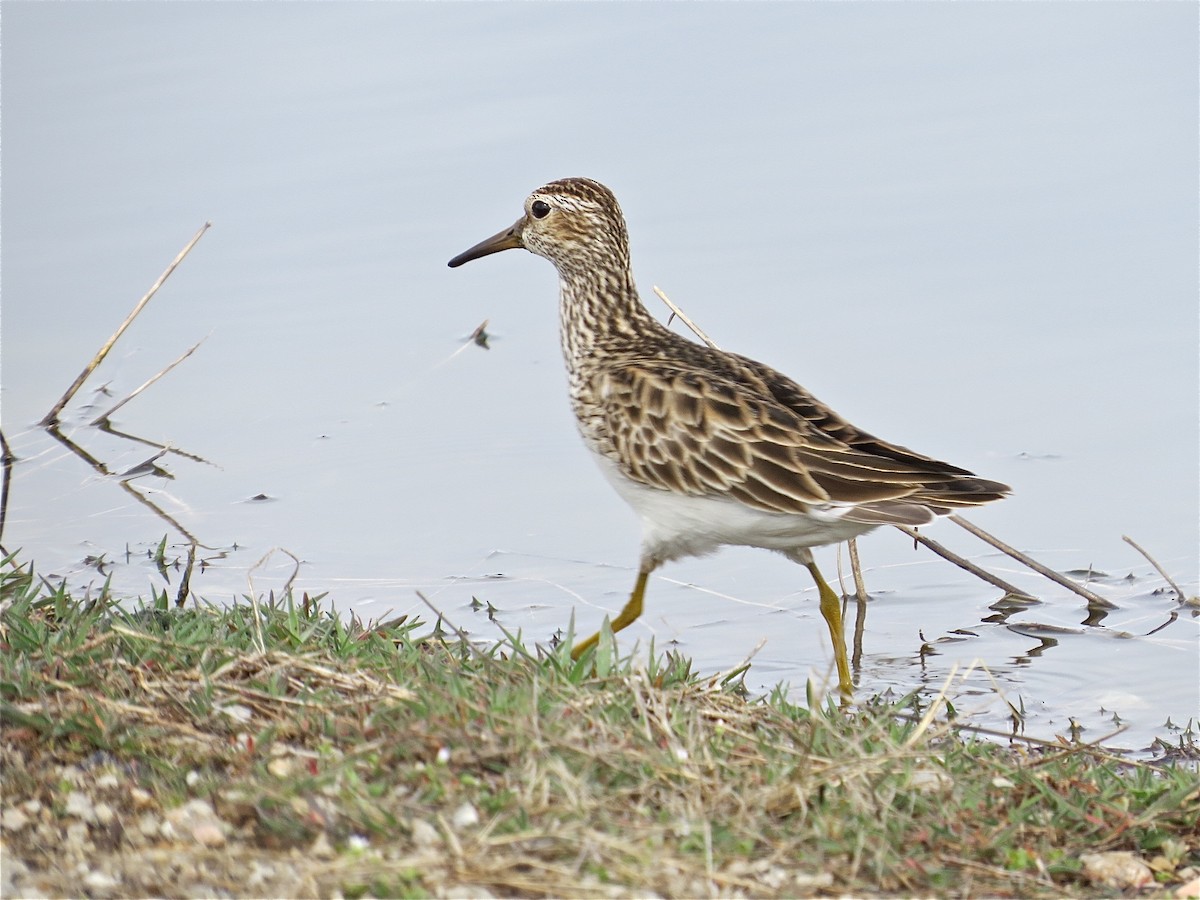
(398, 761)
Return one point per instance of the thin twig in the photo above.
(1092, 598)
(676, 311)
(52, 416)
(1154, 562)
(105, 416)
(964, 563)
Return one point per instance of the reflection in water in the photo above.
(51, 424)
(125, 482)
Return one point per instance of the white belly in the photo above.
(678, 525)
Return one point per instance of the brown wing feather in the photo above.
(701, 432)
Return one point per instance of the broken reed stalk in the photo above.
(52, 416)
(676, 311)
(1092, 598)
(860, 586)
(104, 417)
(1154, 562)
(963, 563)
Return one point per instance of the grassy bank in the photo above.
(288, 752)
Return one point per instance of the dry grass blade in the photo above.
(682, 316)
(860, 586)
(52, 416)
(1092, 598)
(105, 416)
(1154, 562)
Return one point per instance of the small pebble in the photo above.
(237, 712)
(141, 798)
(209, 834)
(197, 820)
(321, 848)
(1189, 891)
(930, 781)
(1118, 869)
(76, 839)
(425, 835)
(149, 824)
(466, 892)
(464, 817)
(79, 805)
(100, 881)
(812, 883)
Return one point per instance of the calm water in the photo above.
(971, 229)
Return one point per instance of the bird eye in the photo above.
(540, 209)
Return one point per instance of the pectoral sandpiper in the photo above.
(708, 447)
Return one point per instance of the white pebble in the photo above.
(100, 881)
(465, 816)
(13, 820)
(424, 834)
(79, 805)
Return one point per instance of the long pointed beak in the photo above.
(508, 239)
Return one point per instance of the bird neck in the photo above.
(599, 308)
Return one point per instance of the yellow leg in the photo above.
(632, 610)
(831, 609)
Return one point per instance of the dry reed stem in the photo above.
(105, 416)
(676, 311)
(1092, 598)
(860, 586)
(963, 563)
(1154, 562)
(52, 416)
